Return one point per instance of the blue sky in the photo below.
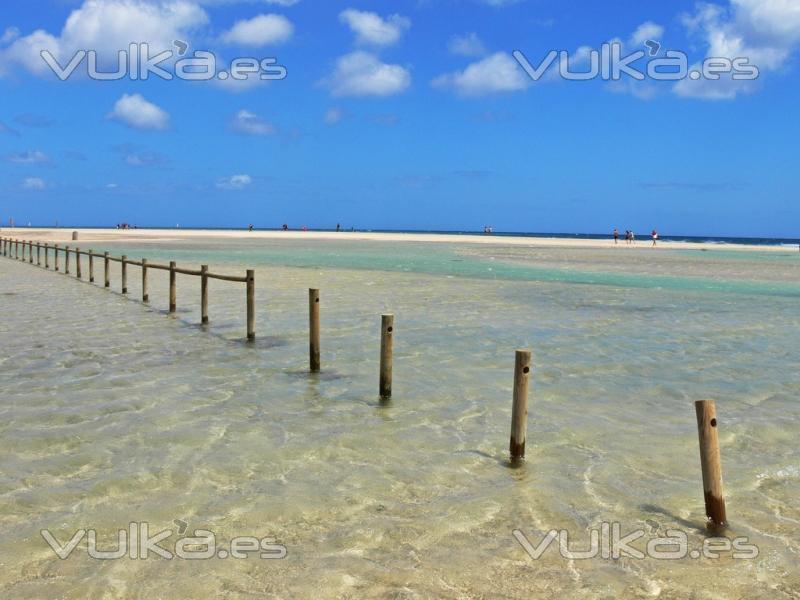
(402, 115)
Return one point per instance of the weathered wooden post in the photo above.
(55, 253)
(145, 294)
(204, 294)
(385, 382)
(38, 254)
(106, 268)
(124, 263)
(710, 462)
(251, 304)
(30, 252)
(173, 292)
(78, 263)
(66, 260)
(519, 408)
(16, 249)
(47, 256)
(74, 235)
(91, 265)
(313, 329)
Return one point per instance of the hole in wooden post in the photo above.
(389, 329)
(713, 422)
(526, 370)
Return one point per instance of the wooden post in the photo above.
(124, 274)
(145, 294)
(38, 254)
(204, 294)
(91, 265)
(78, 263)
(387, 330)
(55, 252)
(16, 249)
(519, 408)
(710, 462)
(46, 256)
(66, 260)
(313, 329)
(107, 276)
(251, 304)
(173, 292)
(74, 235)
(30, 252)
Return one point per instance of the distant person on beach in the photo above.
(654, 235)
(285, 227)
(628, 237)
(616, 236)
(633, 238)
(338, 227)
(250, 227)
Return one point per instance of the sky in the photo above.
(412, 114)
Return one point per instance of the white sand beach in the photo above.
(143, 236)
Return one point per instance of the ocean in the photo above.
(114, 412)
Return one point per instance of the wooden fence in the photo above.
(15, 248)
(705, 409)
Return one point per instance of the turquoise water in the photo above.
(113, 411)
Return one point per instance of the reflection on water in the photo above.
(114, 412)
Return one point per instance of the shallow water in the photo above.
(114, 412)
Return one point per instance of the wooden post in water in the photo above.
(107, 276)
(124, 264)
(66, 260)
(251, 304)
(385, 381)
(519, 408)
(204, 294)
(145, 294)
(55, 253)
(173, 292)
(313, 329)
(91, 265)
(78, 263)
(710, 462)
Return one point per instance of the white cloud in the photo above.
(493, 74)
(334, 115)
(108, 26)
(250, 124)
(30, 157)
(646, 31)
(134, 111)
(766, 32)
(363, 74)
(5, 129)
(466, 45)
(9, 35)
(33, 183)
(260, 31)
(234, 182)
(370, 28)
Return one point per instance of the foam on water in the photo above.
(113, 412)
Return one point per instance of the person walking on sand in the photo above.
(616, 236)
(633, 238)
(654, 235)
